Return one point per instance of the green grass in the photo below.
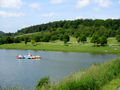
(112, 41)
(72, 46)
(112, 85)
(93, 78)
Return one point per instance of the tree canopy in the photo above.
(109, 27)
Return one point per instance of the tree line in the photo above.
(41, 37)
(51, 37)
(98, 30)
(109, 27)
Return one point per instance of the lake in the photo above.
(26, 73)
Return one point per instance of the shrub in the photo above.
(95, 39)
(118, 38)
(103, 41)
(44, 82)
(53, 38)
(33, 42)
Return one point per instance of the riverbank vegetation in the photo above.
(97, 77)
(86, 33)
(72, 46)
(80, 29)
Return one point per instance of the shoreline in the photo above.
(63, 48)
(94, 77)
(61, 51)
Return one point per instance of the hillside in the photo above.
(1, 32)
(109, 27)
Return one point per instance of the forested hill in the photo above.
(1, 32)
(109, 27)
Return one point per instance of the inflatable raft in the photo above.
(20, 57)
(28, 57)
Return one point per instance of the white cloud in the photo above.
(97, 9)
(79, 17)
(10, 3)
(10, 14)
(114, 17)
(57, 1)
(119, 1)
(82, 3)
(49, 15)
(103, 3)
(34, 5)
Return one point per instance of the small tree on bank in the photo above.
(37, 38)
(118, 38)
(82, 39)
(33, 42)
(26, 39)
(78, 40)
(61, 37)
(95, 39)
(53, 38)
(103, 41)
(17, 40)
(66, 39)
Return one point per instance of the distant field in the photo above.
(72, 46)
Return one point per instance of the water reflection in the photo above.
(23, 60)
(26, 72)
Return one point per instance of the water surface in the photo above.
(26, 73)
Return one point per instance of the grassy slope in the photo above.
(112, 85)
(93, 78)
(73, 46)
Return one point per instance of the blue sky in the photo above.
(17, 14)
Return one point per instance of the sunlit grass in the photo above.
(93, 78)
(112, 85)
(72, 46)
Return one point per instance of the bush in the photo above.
(53, 38)
(46, 38)
(26, 39)
(61, 37)
(82, 38)
(37, 38)
(17, 40)
(103, 41)
(118, 38)
(95, 39)
(44, 82)
(33, 42)
(66, 39)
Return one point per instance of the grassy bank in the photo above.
(112, 85)
(72, 46)
(94, 78)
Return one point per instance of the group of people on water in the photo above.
(29, 56)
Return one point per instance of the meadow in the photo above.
(72, 46)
